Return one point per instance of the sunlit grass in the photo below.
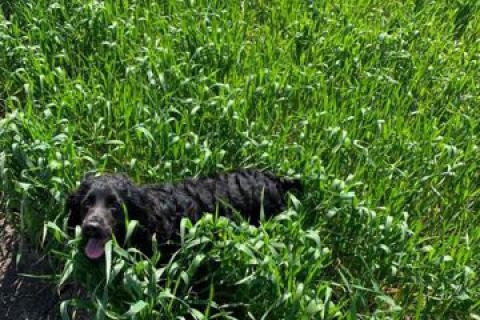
(373, 104)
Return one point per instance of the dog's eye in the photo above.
(114, 204)
(89, 201)
(117, 209)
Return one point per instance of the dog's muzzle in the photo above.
(96, 232)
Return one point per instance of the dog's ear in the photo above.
(73, 203)
(152, 214)
(137, 208)
(135, 203)
(72, 208)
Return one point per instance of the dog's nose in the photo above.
(93, 228)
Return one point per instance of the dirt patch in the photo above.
(23, 297)
(2, 108)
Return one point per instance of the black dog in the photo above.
(100, 203)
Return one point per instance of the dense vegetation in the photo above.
(374, 104)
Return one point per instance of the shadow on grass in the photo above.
(23, 297)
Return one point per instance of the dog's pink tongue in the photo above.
(94, 248)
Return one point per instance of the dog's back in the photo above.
(245, 191)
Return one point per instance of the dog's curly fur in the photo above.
(160, 208)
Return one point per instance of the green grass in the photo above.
(373, 104)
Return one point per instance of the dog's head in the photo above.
(99, 207)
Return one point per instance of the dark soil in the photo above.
(25, 297)
(2, 108)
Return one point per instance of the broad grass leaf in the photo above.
(64, 310)
(108, 260)
(135, 309)
(57, 232)
(130, 229)
(67, 271)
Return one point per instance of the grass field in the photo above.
(374, 104)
